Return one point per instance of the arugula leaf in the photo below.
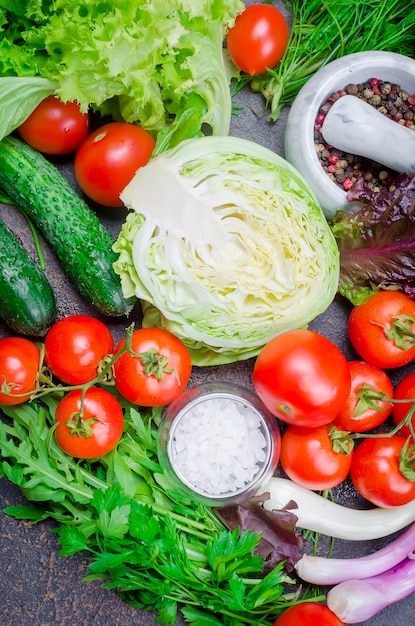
(22, 511)
(33, 467)
(119, 470)
(376, 242)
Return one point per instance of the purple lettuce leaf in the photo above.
(377, 241)
(279, 541)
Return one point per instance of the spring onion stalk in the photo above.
(355, 601)
(320, 515)
(330, 571)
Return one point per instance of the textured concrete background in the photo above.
(40, 588)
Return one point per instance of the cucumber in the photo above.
(79, 239)
(27, 299)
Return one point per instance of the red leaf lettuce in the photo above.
(279, 541)
(377, 241)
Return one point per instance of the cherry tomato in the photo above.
(364, 409)
(376, 474)
(108, 158)
(382, 330)
(308, 614)
(19, 367)
(308, 458)
(159, 372)
(302, 378)
(97, 431)
(405, 390)
(75, 347)
(258, 39)
(55, 127)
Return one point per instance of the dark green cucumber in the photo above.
(79, 239)
(27, 300)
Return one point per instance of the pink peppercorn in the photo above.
(333, 158)
(347, 184)
(332, 169)
(374, 82)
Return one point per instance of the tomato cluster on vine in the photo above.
(335, 410)
(79, 361)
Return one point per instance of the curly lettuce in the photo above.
(226, 247)
(136, 61)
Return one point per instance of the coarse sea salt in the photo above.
(219, 445)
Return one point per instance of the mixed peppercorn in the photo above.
(347, 169)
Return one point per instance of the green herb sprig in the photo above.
(324, 30)
(140, 537)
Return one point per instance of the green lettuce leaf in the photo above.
(137, 61)
(19, 96)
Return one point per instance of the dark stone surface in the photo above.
(40, 588)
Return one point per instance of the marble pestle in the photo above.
(354, 126)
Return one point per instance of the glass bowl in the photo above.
(218, 444)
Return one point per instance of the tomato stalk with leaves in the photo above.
(382, 468)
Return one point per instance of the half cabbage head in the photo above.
(226, 247)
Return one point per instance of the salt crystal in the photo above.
(218, 445)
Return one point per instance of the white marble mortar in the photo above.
(299, 146)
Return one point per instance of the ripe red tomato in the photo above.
(308, 458)
(159, 372)
(258, 39)
(99, 429)
(75, 346)
(382, 330)
(55, 127)
(308, 614)
(376, 474)
(302, 378)
(108, 158)
(405, 390)
(363, 411)
(19, 367)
